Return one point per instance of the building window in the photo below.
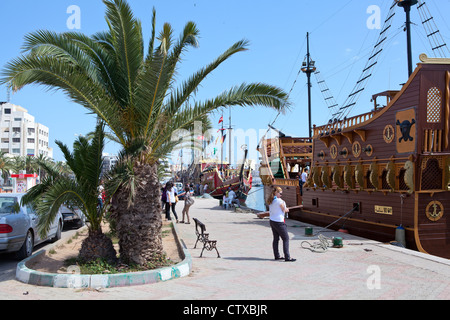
(30, 152)
(16, 130)
(30, 140)
(16, 151)
(7, 111)
(16, 140)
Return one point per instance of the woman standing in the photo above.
(277, 210)
(171, 201)
(188, 202)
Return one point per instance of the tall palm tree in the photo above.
(136, 93)
(82, 192)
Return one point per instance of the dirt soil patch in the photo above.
(54, 261)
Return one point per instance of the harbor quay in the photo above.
(360, 269)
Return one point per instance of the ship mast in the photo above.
(406, 5)
(308, 68)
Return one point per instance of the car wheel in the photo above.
(27, 248)
(58, 233)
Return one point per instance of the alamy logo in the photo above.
(74, 20)
(374, 20)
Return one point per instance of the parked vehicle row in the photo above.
(18, 225)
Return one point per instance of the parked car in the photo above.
(73, 217)
(18, 226)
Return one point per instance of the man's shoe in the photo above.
(280, 258)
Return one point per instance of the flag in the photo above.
(221, 119)
(223, 139)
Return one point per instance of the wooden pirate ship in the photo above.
(221, 177)
(390, 166)
(378, 171)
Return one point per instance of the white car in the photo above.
(73, 216)
(18, 226)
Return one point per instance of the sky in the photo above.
(342, 35)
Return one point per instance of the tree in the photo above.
(137, 95)
(58, 189)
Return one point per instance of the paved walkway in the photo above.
(362, 269)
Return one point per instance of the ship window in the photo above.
(432, 175)
(369, 183)
(384, 183)
(434, 105)
(401, 178)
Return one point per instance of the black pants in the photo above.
(279, 230)
(168, 205)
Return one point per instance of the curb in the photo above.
(78, 281)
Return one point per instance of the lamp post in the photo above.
(308, 67)
(406, 5)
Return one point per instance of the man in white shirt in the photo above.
(231, 196)
(302, 180)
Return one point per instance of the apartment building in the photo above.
(109, 161)
(20, 134)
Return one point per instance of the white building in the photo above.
(109, 161)
(20, 134)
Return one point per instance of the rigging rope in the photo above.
(434, 36)
(350, 102)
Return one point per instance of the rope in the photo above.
(320, 247)
(324, 242)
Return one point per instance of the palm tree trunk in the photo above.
(139, 225)
(97, 246)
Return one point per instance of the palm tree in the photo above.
(58, 188)
(137, 95)
(5, 165)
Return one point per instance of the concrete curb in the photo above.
(78, 281)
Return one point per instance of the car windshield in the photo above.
(7, 205)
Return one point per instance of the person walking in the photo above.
(164, 197)
(188, 202)
(171, 201)
(277, 211)
(302, 180)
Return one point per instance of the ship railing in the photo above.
(286, 182)
(338, 126)
(433, 140)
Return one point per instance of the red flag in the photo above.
(221, 119)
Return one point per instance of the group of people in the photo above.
(229, 197)
(169, 200)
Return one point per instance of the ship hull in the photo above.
(217, 187)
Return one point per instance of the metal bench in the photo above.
(203, 237)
